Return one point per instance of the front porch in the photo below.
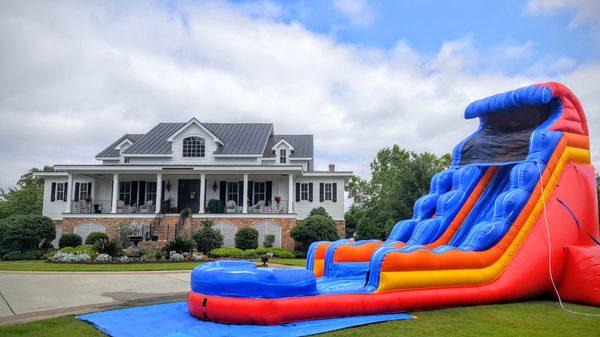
(171, 193)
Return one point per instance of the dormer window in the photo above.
(282, 156)
(193, 147)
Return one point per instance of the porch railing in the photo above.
(260, 208)
(104, 206)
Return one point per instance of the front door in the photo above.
(188, 194)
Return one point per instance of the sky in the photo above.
(358, 75)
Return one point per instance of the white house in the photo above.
(237, 174)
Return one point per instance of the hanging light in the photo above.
(168, 186)
(214, 186)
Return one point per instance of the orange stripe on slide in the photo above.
(424, 259)
(576, 140)
(466, 208)
(361, 253)
(319, 264)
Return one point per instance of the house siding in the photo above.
(335, 209)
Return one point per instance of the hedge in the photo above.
(237, 253)
(25, 232)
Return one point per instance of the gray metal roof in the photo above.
(241, 138)
(111, 152)
(303, 145)
(155, 141)
(237, 138)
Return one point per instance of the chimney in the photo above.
(331, 167)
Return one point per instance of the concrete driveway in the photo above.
(26, 296)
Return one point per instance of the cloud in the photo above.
(358, 12)
(77, 76)
(585, 11)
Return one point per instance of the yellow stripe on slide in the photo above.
(394, 280)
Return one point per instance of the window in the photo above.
(151, 191)
(85, 228)
(125, 192)
(328, 187)
(83, 191)
(259, 192)
(282, 156)
(193, 147)
(232, 191)
(304, 191)
(60, 192)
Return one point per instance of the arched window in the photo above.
(85, 228)
(228, 231)
(193, 147)
(268, 227)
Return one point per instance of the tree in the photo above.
(398, 179)
(246, 238)
(26, 198)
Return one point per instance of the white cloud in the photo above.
(586, 11)
(358, 12)
(77, 76)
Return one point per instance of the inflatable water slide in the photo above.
(514, 217)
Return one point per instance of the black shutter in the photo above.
(65, 194)
(268, 192)
(321, 192)
(222, 191)
(89, 192)
(134, 189)
(162, 192)
(250, 190)
(334, 192)
(297, 192)
(142, 197)
(76, 198)
(240, 193)
(310, 192)
(53, 192)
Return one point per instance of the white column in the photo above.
(290, 193)
(202, 188)
(115, 193)
(245, 194)
(158, 193)
(68, 192)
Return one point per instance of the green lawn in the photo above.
(45, 266)
(529, 319)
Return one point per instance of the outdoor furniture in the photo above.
(120, 206)
(231, 206)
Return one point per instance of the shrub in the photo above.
(95, 236)
(82, 258)
(320, 211)
(25, 232)
(269, 240)
(175, 257)
(84, 249)
(208, 238)
(106, 246)
(103, 258)
(236, 253)
(246, 238)
(180, 245)
(69, 240)
(123, 230)
(226, 252)
(314, 228)
(26, 255)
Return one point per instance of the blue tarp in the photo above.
(173, 320)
